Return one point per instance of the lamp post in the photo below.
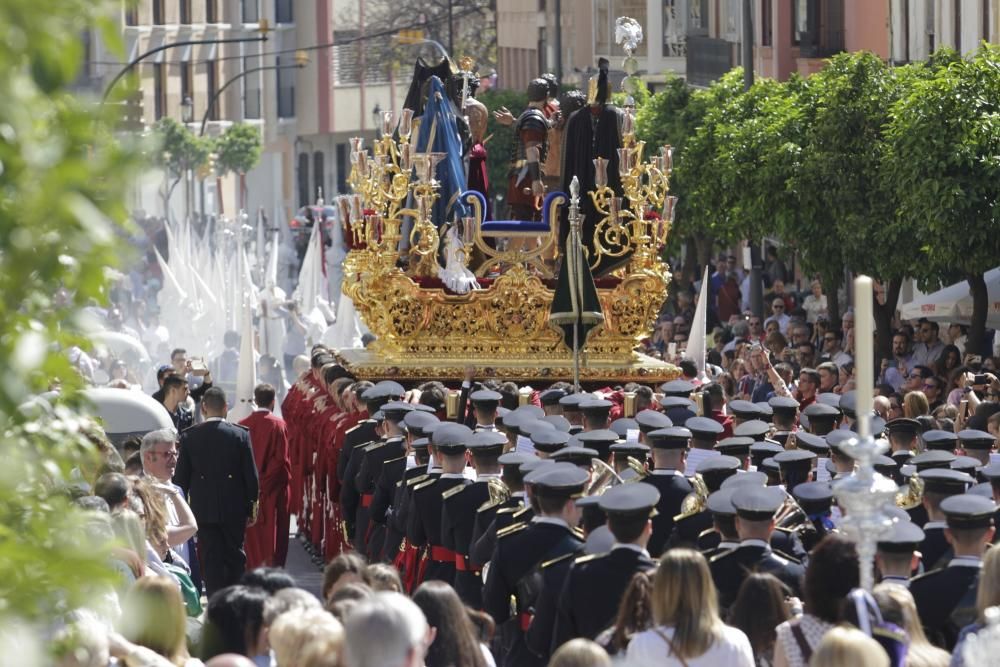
(187, 115)
(301, 60)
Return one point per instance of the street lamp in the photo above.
(262, 29)
(187, 115)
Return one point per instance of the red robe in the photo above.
(335, 542)
(267, 540)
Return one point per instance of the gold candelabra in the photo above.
(634, 228)
(387, 196)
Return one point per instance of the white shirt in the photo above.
(649, 649)
(631, 547)
(965, 561)
(554, 520)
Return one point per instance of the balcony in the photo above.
(708, 59)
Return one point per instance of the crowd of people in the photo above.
(692, 523)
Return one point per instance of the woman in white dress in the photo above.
(688, 630)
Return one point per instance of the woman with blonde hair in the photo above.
(915, 404)
(307, 638)
(580, 653)
(848, 646)
(897, 607)
(688, 630)
(153, 616)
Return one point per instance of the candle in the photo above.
(404, 157)
(864, 360)
(667, 152)
(601, 171)
(387, 123)
(406, 123)
(357, 143)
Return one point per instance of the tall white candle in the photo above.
(864, 359)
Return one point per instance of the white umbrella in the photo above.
(121, 344)
(124, 413)
(954, 303)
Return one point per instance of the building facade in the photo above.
(526, 38)
(306, 115)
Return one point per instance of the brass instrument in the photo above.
(696, 501)
(790, 515)
(913, 496)
(639, 468)
(499, 493)
(602, 479)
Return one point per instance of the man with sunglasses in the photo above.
(779, 315)
(928, 347)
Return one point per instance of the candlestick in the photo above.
(387, 118)
(406, 123)
(864, 358)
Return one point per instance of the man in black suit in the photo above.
(217, 471)
(594, 586)
(669, 457)
(946, 598)
(755, 510)
(522, 548)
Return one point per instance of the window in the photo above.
(766, 23)
(800, 21)
(984, 21)
(541, 65)
(185, 12)
(251, 11)
(211, 88)
(319, 176)
(251, 89)
(674, 28)
(286, 89)
(956, 25)
(602, 27)
(131, 14)
(342, 168)
(211, 11)
(159, 91)
(283, 11)
(158, 12)
(303, 178)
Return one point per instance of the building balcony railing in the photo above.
(708, 59)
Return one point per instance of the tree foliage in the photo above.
(944, 162)
(238, 149)
(500, 138)
(887, 171)
(62, 192)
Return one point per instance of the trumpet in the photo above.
(790, 515)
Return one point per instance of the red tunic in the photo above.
(267, 539)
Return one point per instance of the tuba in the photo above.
(790, 515)
(696, 501)
(602, 479)
(913, 495)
